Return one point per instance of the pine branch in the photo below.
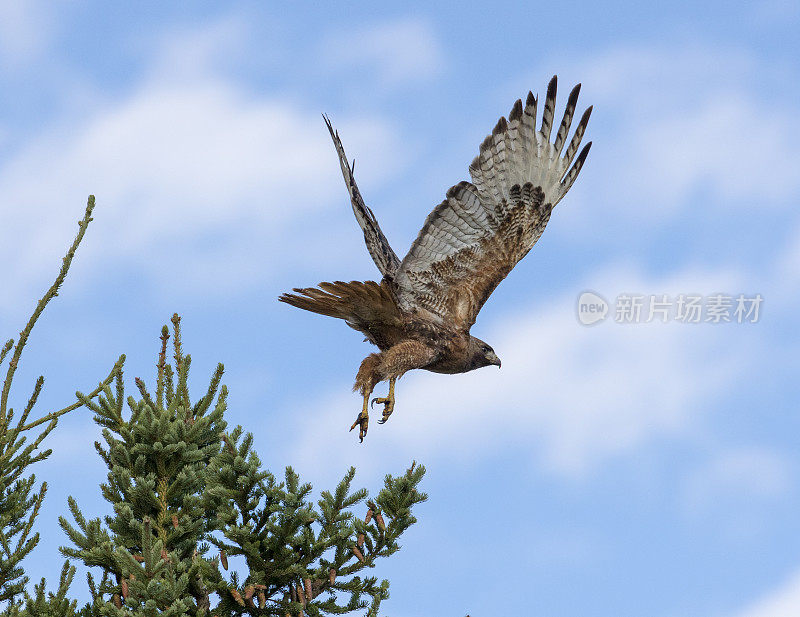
(51, 293)
(19, 503)
(82, 398)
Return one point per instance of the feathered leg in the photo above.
(390, 364)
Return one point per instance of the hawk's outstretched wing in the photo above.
(377, 244)
(472, 240)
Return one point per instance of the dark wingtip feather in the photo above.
(566, 121)
(578, 136)
(549, 108)
(585, 117)
(516, 111)
(573, 95)
(328, 123)
(552, 90)
(584, 153)
(578, 166)
(572, 174)
(501, 126)
(530, 100)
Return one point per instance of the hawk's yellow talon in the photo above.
(362, 420)
(388, 403)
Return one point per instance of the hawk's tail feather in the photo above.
(330, 299)
(354, 302)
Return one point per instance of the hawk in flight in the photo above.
(420, 314)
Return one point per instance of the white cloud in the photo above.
(25, 29)
(575, 396)
(188, 53)
(789, 262)
(674, 126)
(711, 149)
(195, 169)
(400, 52)
(782, 602)
(744, 474)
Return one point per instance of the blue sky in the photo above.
(614, 470)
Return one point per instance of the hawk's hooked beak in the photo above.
(493, 359)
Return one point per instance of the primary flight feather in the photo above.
(420, 314)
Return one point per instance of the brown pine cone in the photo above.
(237, 596)
(358, 554)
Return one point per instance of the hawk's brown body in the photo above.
(420, 314)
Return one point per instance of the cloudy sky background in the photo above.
(616, 470)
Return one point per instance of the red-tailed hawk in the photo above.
(421, 312)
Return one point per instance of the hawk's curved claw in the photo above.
(388, 402)
(362, 422)
(388, 407)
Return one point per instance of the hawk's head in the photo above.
(482, 354)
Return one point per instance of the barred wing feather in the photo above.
(475, 237)
(377, 244)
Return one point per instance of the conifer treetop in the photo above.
(180, 483)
